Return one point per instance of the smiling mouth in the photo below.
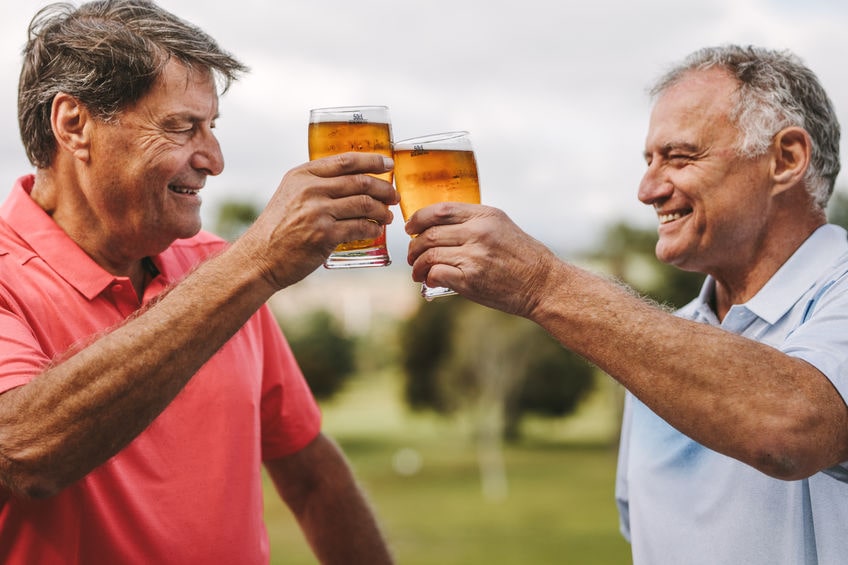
(667, 217)
(184, 190)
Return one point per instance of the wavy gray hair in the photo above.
(107, 54)
(776, 91)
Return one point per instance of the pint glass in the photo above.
(435, 168)
(353, 128)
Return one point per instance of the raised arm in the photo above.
(86, 407)
(747, 400)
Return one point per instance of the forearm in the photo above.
(321, 491)
(734, 395)
(342, 530)
(91, 404)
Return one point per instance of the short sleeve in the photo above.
(22, 355)
(290, 415)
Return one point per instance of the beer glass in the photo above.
(435, 168)
(353, 128)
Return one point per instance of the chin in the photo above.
(667, 255)
(186, 234)
(167, 236)
(188, 228)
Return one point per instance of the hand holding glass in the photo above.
(353, 128)
(435, 168)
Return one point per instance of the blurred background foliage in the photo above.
(457, 355)
(323, 350)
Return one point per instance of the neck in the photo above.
(65, 204)
(740, 285)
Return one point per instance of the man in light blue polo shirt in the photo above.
(684, 503)
(735, 437)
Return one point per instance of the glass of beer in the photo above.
(435, 168)
(353, 128)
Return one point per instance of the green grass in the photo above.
(558, 506)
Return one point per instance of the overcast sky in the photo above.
(552, 91)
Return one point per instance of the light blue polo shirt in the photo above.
(681, 503)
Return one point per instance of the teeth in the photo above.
(181, 190)
(665, 218)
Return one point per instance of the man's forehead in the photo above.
(698, 97)
(707, 87)
(181, 90)
(692, 114)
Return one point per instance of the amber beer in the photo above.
(435, 168)
(364, 129)
(331, 138)
(428, 176)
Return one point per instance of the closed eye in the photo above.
(679, 158)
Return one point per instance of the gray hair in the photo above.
(107, 54)
(776, 91)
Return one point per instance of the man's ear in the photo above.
(71, 125)
(792, 148)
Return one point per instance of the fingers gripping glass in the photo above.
(435, 168)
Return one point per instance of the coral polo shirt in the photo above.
(188, 489)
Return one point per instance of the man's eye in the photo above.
(679, 158)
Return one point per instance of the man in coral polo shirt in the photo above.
(144, 381)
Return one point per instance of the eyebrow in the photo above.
(180, 117)
(671, 146)
(680, 145)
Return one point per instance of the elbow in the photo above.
(27, 476)
(783, 466)
(800, 440)
(792, 455)
(29, 485)
(35, 489)
(34, 464)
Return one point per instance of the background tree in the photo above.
(425, 343)
(837, 209)
(491, 368)
(325, 353)
(457, 355)
(234, 217)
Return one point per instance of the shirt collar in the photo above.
(798, 274)
(34, 226)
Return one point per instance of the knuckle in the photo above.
(363, 203)
(362, 182)
(444, 210)
(433, 256)
(344, 160)
(430, 236)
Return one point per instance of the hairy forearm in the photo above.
(321, 491)
(341, 529)
(91, 404)
(734, 395)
